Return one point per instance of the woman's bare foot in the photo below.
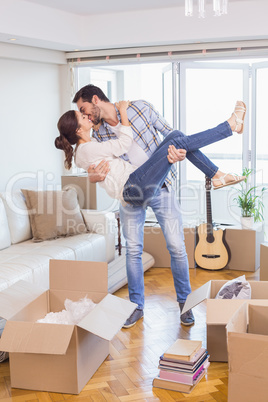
(225, 179)
(236, 121)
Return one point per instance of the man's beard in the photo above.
(95, 115)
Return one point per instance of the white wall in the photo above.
(31, 101)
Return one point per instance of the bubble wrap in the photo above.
(74, 312)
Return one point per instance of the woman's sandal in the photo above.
(236, 179)
(239, 107)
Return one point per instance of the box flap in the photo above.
(259, 289)
(197, 296)
(219, 311)
(258, 319)
(16, 297)
(78, 275)
(28, 337)
(108, 317)
(239, 320)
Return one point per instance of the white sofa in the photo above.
(23, 259)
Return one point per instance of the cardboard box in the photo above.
(86, 191)
(264, 262)
(90, 195)
(219, 312)
(54, 357)
(247, 334)
(244, 247)
(155, 244)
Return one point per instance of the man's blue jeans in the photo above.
(166, 209)
(145, 182)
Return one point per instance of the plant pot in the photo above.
(247, 222)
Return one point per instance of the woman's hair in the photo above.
(67, 126)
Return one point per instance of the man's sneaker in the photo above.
(135, 316)
(188, 317)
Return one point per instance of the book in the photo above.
(183, 368)
(188, 365)
(176, 386)
(184, 378)
(183, 349)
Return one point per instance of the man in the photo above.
(145, 122)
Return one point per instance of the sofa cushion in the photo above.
(17, 215)
(5, 240)
(54, 213)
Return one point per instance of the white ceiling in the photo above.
(68, 25)
(90, 7)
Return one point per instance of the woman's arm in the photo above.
(98, 173)
(122, 107)
(94, 151)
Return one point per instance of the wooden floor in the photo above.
(127, 373)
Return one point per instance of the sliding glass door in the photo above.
(207, 97)
(259, 122)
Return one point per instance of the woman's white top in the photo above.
(93, 152)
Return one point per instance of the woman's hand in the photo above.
(175, 155)
(122, 105)
(98, 173)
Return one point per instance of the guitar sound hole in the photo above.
(210, 238)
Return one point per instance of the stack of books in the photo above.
(182, 366)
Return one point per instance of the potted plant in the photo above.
(251, 204)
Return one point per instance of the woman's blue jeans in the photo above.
(145, 182)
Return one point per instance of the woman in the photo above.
(125, 181)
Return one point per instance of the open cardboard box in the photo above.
(247, 334)
(56, 357)
(219, 312)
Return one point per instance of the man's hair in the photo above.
(87, 93)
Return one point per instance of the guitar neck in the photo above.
(210, 237)
(209, 210)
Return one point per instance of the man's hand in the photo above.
(98, 173)
(175, 155)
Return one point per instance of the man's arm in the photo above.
(158, 121)
(98, 173)
(175, 155)
(160, 124)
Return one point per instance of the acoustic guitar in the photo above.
(210, 252)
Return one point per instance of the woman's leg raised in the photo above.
(148, 178)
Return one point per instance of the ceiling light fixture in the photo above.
(12, 39)
(219, 7)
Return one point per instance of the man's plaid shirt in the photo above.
(146, 123)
